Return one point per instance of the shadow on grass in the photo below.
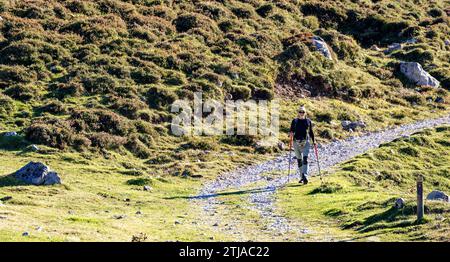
(391, 218)
(9, 180)
(13, 143)
(238, 192)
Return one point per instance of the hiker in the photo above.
(299, 135)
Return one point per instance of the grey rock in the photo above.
(147, 188)
(447, 42)
(281, 145)
(352, 126)
(392, 48)
(10, 133)
(411, 41)
(321, 46)
(52, 178)
(139, 212)
(439, 100)
(1, 18)
(438, 195)
(415, 73)
(375, 48)
(34, 148)
(25, 234)
(177, 222)
(37, 173)
(119, 216)
(399, 203)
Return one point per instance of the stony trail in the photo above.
(261, 198)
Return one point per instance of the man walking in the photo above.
(300, 133)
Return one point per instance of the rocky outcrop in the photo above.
(36, 173)
(321, 46)
(438, 195)
(352, 126)
(415, 73)
(393, 47)
(10, 133)
(399, 203)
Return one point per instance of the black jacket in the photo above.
(301, 128)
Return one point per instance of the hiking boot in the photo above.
(302, 179)
(305, 180)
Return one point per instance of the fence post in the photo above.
(420, 208)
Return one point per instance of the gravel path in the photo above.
(262, 197)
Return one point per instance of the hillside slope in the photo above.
(102, 74)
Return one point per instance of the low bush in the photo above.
(158, 97)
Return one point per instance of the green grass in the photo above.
(356, 201)
(85, 207)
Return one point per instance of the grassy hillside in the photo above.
(100, 75)
(357, 198)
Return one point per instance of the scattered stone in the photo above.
(439, 100)
(188, 173)
(141, 237)
(70, 212)
(399, 203)
(147, 188)
(352, 126)
(1, 204)
(6, 198)
(438, 195)
(211, 238)
(414, 72)
(375, 48)
(1, 18)
(177, 222)
(37, 173)
(119, 216)
(34, 148)
(392, 48)
(127, 200)
(25, 234)
(412, 40)
(139, 212)
(281, 145)
(321, 46)
(447, 42)
(10, 133)
(216, 225)
(39, 228)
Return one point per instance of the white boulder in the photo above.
(36, 173)
(415, 73)
(321, 46)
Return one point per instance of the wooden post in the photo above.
(420, 208)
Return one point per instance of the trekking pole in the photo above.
(290, 152)
(318, 164)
